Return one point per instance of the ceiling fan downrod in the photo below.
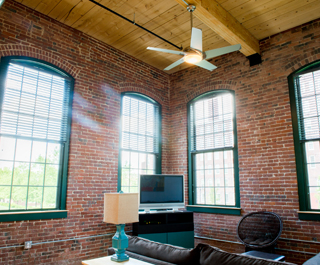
(191, 8)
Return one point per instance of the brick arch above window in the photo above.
(32, 52)
(210, 86)
(141, 88)
(301, 61)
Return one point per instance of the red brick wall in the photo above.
(266, 154)
(265, 140)
(101, 73)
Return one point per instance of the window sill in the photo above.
(32, 215)
(309, 215)
(214, 209)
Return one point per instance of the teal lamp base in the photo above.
(120, 243)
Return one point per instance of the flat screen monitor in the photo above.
(161, 192)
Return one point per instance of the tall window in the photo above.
(34, 135)
(213, 150)
(305, 104)
(140, 140)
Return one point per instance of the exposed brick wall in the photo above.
(101, 73)
(266, 153)
(265, 141)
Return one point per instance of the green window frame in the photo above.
(140, 140)
(35, 122)
(304, 91)
(213, 154)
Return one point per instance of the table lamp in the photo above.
(119, 209)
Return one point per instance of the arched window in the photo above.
(140, 149)
(35, 103)
(304, 89)
(213, 155)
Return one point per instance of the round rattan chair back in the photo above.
(259, 230)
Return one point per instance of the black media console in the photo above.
(175, 228)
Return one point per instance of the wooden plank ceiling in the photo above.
(170, 20)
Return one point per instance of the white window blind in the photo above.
(211, 123)
(307, 89)
(35, 104)
(140, 125)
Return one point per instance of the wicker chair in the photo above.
(260, 231)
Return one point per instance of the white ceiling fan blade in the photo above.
(166, 50)
(180, 61)
(206, 65)
(196, 39)
(220, 51)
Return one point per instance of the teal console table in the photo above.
(175, 228)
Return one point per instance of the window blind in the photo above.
(35, 104)
(307, 89)
(140, 125)
(211, 123)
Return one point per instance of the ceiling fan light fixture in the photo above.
(192, 58)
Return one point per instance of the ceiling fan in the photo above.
(194, 54)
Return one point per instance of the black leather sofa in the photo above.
(202, 254)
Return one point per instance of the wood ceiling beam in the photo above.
(220, 21)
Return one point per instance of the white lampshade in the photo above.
(121, 208)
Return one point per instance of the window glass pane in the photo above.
(35, 197)
(200, 196)
(19, 197)
(53, 153)
(315, 198)
(4, 197)
(125, 177)
(134, 160)
(36, 174)
(134, 176)
(151, 162)
(134, 189)
(200, 178)
(208, 160)
(51, 177)
(229, 177)
(125, 159)
(142, 161)
(220, 196)
(21, 173)
(23, 150)
(199, 161)
(230, 197)
(49, 197)
(6, 172)
(7, 148)
(209, 196)
(38, 151)
(209, 178)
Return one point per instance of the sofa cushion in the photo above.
(141, 257)
(169, 253)
(313, 261)
(214, 256)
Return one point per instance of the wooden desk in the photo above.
(107, 261)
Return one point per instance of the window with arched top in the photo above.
(35, 118)
(304, 90)
(213, 155)
(140, 140)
